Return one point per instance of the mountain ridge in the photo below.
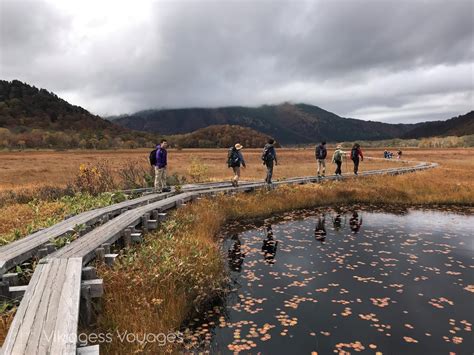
(37, 118)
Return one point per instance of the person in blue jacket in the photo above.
(161, 166)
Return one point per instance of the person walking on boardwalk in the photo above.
(161, 163)
(321, 154)
(269, 158)
(356, 153)
(235, 159)
(337, 159)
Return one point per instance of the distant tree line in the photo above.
(37, 118)
(41, 139)
(219, 136)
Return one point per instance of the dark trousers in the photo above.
(269, 165)
(356, 165)
(338, 169)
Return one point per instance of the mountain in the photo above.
(288, 123)
(456, 126)
(36, 118)
(218, 136)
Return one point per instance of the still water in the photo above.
(354, 280)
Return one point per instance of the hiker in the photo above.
(356, 152)
(234, 161)
(269, 156)
(321, 154)
(159, 159)
(399, 154)
(337, 159)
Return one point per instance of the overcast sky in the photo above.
(392, 61)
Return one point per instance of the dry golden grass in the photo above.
(32, 169)
(129, 298)
(186, 258)
(163, 280)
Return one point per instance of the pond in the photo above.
(334, 280)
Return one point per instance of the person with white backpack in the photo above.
(337, 159)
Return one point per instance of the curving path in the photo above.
(62, 286)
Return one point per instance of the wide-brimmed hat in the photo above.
(238, 146)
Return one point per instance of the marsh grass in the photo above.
(18, 220)
(158, 285)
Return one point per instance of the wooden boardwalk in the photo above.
(47, 319)
(25, 248)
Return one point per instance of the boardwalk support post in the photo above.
(127, 237)
(85, 308)
(11, 278)
(89, 273)
(4, 291)
(100, 254)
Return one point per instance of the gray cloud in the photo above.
(381, 60)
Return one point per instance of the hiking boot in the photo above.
(166, 189)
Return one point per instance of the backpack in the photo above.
(337, 155)
(266, 155)
(354, 153)
(233, 158)
(321, 152)
(153, 157)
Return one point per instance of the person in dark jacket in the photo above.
(356, 153)
(161, 166)
(269, 158)
(321, 154)
(234, 160)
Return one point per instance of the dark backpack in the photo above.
(153, 157)
(233, 158)
(354, 153)
(321, 152)
(267, 154)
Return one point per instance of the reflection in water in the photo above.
(236, 257)
(269, 247)
(403, 284)
(320, 231)
(355, 222)
(337, 222)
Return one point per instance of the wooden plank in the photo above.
(96, 287)
(88, 350)
(68, 310)
(40, 332)
(18, 334)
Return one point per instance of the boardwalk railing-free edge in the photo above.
(62, 287)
